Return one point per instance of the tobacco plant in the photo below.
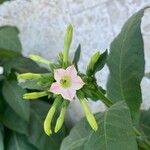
(34, 99)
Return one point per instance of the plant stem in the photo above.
(103, 98)
(145, 142)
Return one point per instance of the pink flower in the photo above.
(67, 82)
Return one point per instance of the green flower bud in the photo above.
(89, 116)
(61, 117)
(97, 62)
(26, 76)
(93, 61)
(39, 59)
(34, 95)
(67, 43)
(49, 117)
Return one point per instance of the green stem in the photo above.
(145, 142)
(103, 98)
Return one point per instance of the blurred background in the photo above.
(42, 24)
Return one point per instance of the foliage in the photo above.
(115, 132)
(21, 122)
(123, 126)
(126, 64)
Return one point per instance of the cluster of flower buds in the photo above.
(64, 82)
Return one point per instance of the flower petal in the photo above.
(59, 73)
(68, 94)
(55, 88)
(71, 70)
(77, 83)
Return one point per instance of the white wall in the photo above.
(96, 23)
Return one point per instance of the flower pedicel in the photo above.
(64, 82)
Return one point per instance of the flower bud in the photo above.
(97, 62)
(90, 117)
(61, 117)
(93, 61)
(67, 43)
(49, 117)
(34, 95)
(26, 76)
(39, 59)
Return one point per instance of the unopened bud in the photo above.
(49, 117)
(92, 62)
(61, 117)
(39, 59)
(89, 116)
(67, 43)
(34, 95)
(26, 76)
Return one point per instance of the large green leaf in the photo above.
(9, 39)
(13, 93)
(37, 136)
(115, 132)
(23, 65)
(145, 122)
(10, 45)
(19, 142)
(126, 64)
(6, 55)
(1, 77)
(1, 138)
(10, 119)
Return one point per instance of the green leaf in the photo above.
(13, 95)
(1, 137)
(2, 104)
(6, 55)
(37, 135)
(115, 132)
(145, 122)
(126, 64)
(97, 62)
(2, 77)
(19, 142)
(77, 56)
(10, 119)
(9, 39)
(23, 65)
